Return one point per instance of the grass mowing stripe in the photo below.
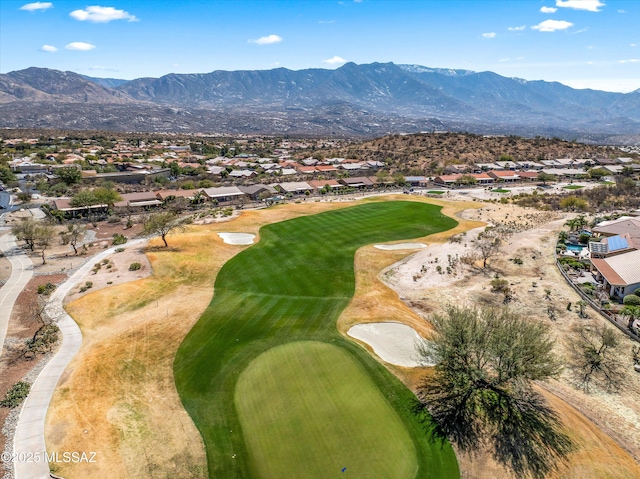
(306, 266)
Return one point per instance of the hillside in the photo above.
(353, 100)
(426, 152)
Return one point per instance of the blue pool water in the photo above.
(574, 247)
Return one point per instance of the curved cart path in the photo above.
(21, 273)
(29, 435)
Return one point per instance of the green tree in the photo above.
(84, 199)
(70, 175)
(574, 203)
(481, 393)
(467, 180)
(598, 173)
(162, 224)
(106, 196)
(546, 177)
(26, 230)
(6, 175)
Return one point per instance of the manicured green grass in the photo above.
(500, 190)
(292, 286)
(334, 398)
(435, 192)
(572, 187)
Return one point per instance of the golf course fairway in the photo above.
(289, 289)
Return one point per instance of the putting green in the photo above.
(292, 286)
(317, 394)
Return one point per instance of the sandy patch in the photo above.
(398, 246)
(237, 238)
(395, 343)
(112, 271)
(532, 241)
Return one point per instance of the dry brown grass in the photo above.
(118, 396)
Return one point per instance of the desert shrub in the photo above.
(118, 239)
(16, 394)
(631, 300)
(137, 266)
(119, 250)
(499, 285)
(49, 288)
(44, 338)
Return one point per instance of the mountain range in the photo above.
(369, 99)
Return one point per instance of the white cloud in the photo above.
(517, 29)
(32, 7)
(80, 46)
(588, 5)
(268, 40)
(633, 60)
(324, 22)
(503, 60)
(552, 25)
(548, 9)
(98, 14)
(632, 44)
(336, 60)
(489, 35)
(622, 11)
(48, 48)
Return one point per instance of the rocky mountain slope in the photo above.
(385, 96)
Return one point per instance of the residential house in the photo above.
(254, 191)
(619, 275)
(332, 184)
(294, 187)
(224, 194)
(144, 199)
(360, 182)
(611, 246)
(505, 176)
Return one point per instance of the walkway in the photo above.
(21, 273)
(29, 435)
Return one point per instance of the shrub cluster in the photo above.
(15, 395)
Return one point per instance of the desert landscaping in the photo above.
(133, 322)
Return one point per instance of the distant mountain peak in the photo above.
(441, 71)
(390, 92)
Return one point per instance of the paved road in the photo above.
(29, 435)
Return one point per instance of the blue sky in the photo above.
(582, 43)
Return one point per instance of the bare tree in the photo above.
(162, 224)
(594, 356)
(75, 231)
(487, 245)
(44, 238)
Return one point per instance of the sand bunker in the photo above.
(395, 343)
(391, 247)
(237, 238)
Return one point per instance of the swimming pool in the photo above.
(574, 247)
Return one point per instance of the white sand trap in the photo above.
(395, 343)
(391, 247)
(237, 238)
